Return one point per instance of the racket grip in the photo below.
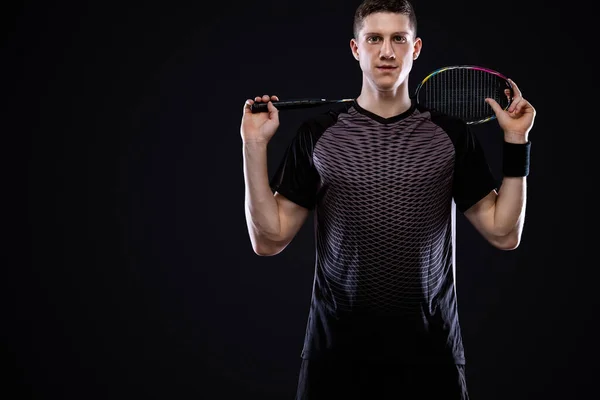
(286, 105)
(259, 107)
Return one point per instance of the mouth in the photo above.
(386, 67)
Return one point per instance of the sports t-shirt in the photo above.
(383, 192)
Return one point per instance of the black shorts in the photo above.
(379, 380)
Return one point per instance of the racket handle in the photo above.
(288, 105)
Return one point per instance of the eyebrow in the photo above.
(394, 33)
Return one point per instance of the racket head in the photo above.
(460, 91)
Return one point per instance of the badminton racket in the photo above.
(458, 91)
(296, 104)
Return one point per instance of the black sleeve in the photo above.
(473, 179)
(296, 177)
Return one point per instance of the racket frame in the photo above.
(474, 67)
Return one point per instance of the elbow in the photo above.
(265, 248)
(507, 246)
(264, 251)
(507, 242)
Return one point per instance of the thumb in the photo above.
(273, 112)
(247, 107)
(495, 106)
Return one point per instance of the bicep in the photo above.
(291, 217)
(481, 215)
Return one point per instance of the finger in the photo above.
(266, 98)
(495, 106)
(515, 105)
(274, 98)
(273, 111)
(258, 98)
(248, 106)
(517, 94)
(515, 88)
(522, 107)
(271, 106)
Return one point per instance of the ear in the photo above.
(417, 48)
(354, 48)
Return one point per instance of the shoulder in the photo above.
(450, 124)
(458, 131)
(314, 126)
(324, 119)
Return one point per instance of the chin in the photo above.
(384, 87)
(384, 84)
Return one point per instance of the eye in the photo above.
(400, 39)
(373, 39)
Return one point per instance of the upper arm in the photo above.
(500, 216)
(475, 189)
(296, 181)
(291, 218)
(481, 216)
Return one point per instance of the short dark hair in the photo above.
(368, 7)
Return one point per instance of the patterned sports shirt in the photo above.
(384, 192)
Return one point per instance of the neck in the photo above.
(387, 103)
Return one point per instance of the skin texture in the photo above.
(385, 39)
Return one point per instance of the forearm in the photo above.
(501, 216)
(261, 208)
(509, 213)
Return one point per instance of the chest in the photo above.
(405, 161)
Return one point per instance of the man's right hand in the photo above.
(259, 127)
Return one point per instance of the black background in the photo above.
(131, 274)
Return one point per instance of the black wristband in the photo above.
(515, 159)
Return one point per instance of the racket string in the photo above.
(462, 92)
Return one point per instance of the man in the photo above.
(383, 176)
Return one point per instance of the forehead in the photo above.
(386, 22)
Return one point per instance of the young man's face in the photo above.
(386, 48)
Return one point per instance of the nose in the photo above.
(387, 51)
